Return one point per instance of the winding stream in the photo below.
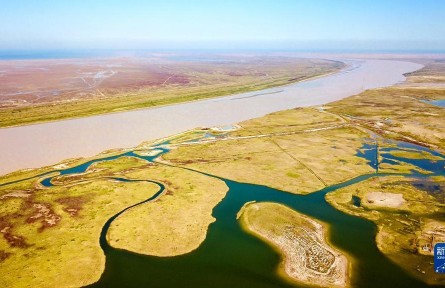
(229, 257)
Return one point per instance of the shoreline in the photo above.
(46, 143)
(310, 78)
(325, 235)
(285, 262)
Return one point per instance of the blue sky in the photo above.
(223, 24)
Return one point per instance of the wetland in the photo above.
(357, 182)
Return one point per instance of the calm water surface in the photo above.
(43, 144)
(229, 257)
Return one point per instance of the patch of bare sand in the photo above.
(383, 199)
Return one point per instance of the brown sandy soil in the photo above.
(433, 74)
(301, 240)
(382, 199)
(29, 82)
(42, 81)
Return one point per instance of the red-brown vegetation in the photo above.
(44, 213)
(4, 255)
(6, 228)
(72, 205)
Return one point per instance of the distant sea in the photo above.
(181, 55)
(63, 54)
(54, 54)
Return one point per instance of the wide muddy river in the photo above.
(48, 143)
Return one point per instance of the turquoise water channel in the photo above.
(229, 257)
(440, 103)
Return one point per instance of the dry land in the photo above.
(278, 151)
(399, 113)
(45, 90)
(299, 151)
(50, 235)
(410, 220)
(302, 242)
(433, 74)
(175, 223)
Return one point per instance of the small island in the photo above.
(307, 257)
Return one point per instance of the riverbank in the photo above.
(407, 231)
(276, 152)
(42, 144)
(57, 90)
(280, 147)
(175, 224)
(50, 235)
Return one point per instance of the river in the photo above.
(230, 257)
(37, 145)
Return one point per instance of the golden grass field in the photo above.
(176, 223)
(282, 159)
(50, 224)
(398, 112)
(298, 151)
(51, 234)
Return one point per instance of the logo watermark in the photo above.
(439, 258)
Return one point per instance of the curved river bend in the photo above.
(44, 144)
(230, 257)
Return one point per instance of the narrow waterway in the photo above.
(229, 257)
